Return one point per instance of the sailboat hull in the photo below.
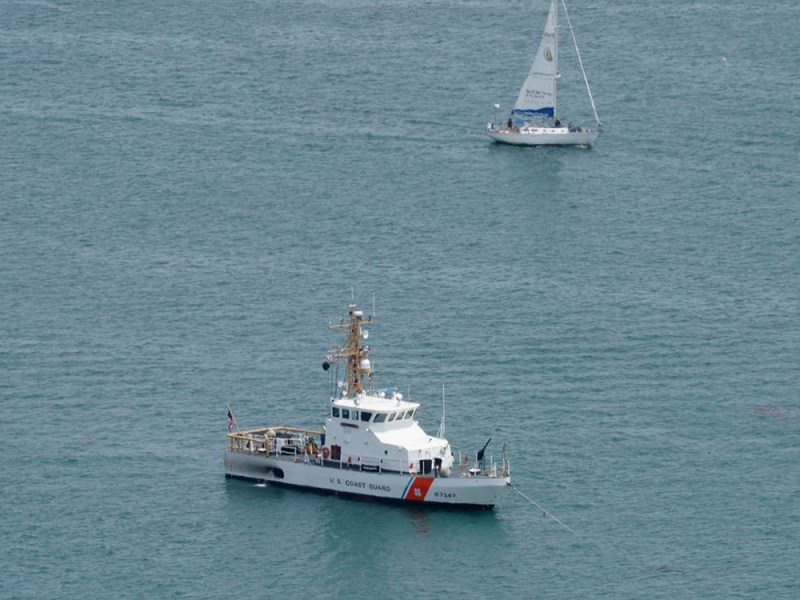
(544, 136)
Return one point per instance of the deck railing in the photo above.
(302, 444)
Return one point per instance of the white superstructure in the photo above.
(371, 444)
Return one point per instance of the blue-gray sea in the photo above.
(192, 190)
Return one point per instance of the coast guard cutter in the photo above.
(370, 446)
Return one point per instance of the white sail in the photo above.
(538, 93)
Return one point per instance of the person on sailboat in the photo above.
(558, 123)
(510, 124)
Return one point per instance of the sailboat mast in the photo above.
(580, 62)
(554, 10)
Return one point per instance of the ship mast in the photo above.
(358, 365)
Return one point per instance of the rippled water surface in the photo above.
(189, 191)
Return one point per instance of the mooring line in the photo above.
(608, 547)
(549, 514)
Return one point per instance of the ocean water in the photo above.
(191, 191)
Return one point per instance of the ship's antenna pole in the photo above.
(440, 433)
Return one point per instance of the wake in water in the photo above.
(770, 410)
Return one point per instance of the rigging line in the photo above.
(580, 62)
(551, 515)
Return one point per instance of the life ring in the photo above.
(326, 452)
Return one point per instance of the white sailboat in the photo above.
(534, 119)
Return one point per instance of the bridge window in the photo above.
(380, 417)
(366, 415)
(345, 413)
(335, 412)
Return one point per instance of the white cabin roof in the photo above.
(412, 437)
(374, 403)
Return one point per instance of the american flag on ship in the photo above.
(231, 420)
